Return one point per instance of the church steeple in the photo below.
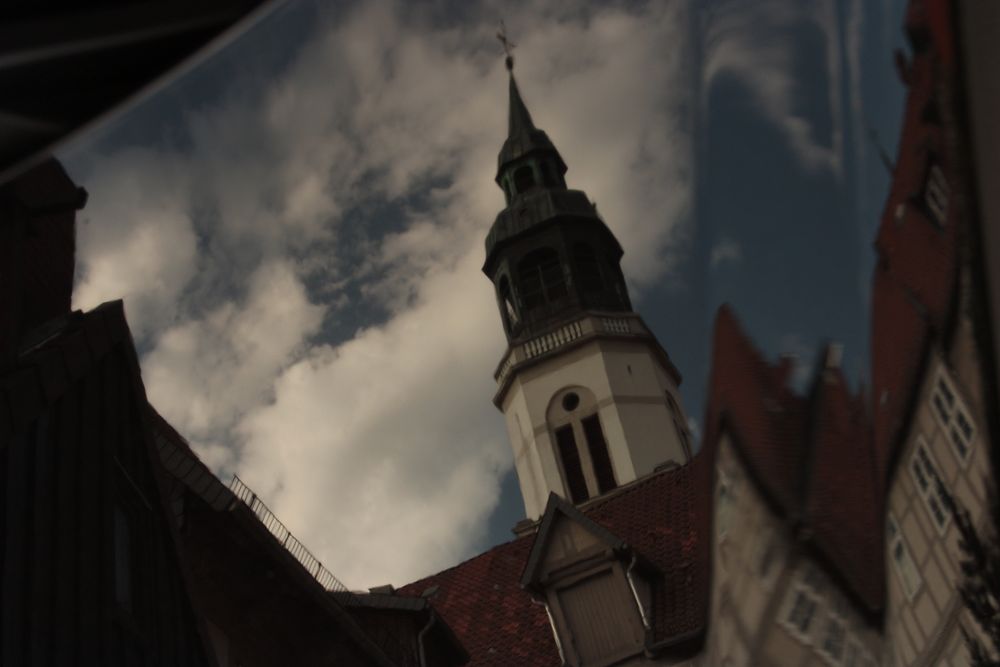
(589, 394)
(548, 253)
(527, 152)
(519, 119)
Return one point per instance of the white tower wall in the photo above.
(624, 382)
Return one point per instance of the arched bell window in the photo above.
(549, 178)
(524, 178)
(540, 278)
(509, 309)
(588, 268)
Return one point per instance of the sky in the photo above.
(297, 229)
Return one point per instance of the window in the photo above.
(507, 303)
(834, 635)
(925, 476)
(936, 194)
(540, 277)
(903, 563)
(524, 178)
(548, 174)
(801, 612)
(588, 269)
(598, 448)
(953, 417)
(570, 458)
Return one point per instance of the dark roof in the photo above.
(811, 457)
(522, 135)
(664, 517)
(66, 64)
(540, 206)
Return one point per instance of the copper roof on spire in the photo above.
(522, 135)
(519, 120)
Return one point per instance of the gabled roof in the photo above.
(915, 278)
(557, 506)
(842, 494)
(768, 418)
(811, 457)
(664, 517)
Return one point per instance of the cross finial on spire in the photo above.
(508, 46)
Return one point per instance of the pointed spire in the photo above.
(519, 119)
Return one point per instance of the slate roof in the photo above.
(664, 517)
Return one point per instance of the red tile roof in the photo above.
(756, 402)
(843, 500)
(913, 289)
(495, 620)
(664, 517)
(811, 457)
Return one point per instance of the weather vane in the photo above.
(508, 46)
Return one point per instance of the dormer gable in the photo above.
(596, 588)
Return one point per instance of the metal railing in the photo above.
(382, 637)
(292, 545)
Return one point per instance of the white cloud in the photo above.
(388, 438)
(137, 240)
(206, 373)
(749, 39)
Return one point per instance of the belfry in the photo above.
(589, 395)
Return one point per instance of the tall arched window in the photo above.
(510, 316)
(540, 278)
(588, 268)
(548, 174)
(581, 448)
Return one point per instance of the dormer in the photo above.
(596, 588)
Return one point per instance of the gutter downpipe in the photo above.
(552, 624)
(635, 593)
(420, 638)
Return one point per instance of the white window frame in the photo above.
(936, 194)
(896, 540)
(832, 619)
(953, 417)
(811, 596)
(924, 471)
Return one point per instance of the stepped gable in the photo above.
(804, 454)
(843, 505)
(753, 400)
(664, 517)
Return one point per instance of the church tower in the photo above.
(589, 395)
